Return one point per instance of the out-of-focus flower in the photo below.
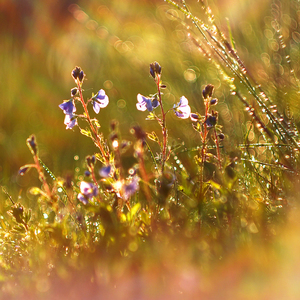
(87, 192)
(105, 171)
(100, 101)
(139, 133)
(24, 169)
(145, 103)
(130, 188)
(182, 108)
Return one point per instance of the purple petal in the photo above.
(105, 171)
(183, 101)
(70, 121)
(96, 107)
(82, 199)
(88, 189)
(182, 109)
(144, 103)
(68, 107)
(131, 188)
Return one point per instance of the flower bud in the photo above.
(73, 92)
(194, 117)
(91, 160)
(24, 169)
(208, 91)
(221, 136)
(75, 72)
(211, 121)
(80, 76)
(155, 69)
(214, 101)
(32, 144)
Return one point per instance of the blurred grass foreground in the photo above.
(179, 175)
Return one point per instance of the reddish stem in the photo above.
(164, 129)
(96, 138)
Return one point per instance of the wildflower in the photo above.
(100, 101)
(68, 107)
(87, 192)
(130, 188)
(182, 109)
(146, 103)
(70, 121)
(105, 171)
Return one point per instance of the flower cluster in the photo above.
(100, 100)
(113, 181)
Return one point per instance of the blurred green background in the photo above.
(114, 41)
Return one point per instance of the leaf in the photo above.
(134, 210)
(96, 123)
(85, 132)
(151, 116)
(153, 136)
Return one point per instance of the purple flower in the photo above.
(145, 103)
(105, 171)
(68, 107)
(70, 121)
(182, 109)
(100, 101)
(130, 188)
(87, 192)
